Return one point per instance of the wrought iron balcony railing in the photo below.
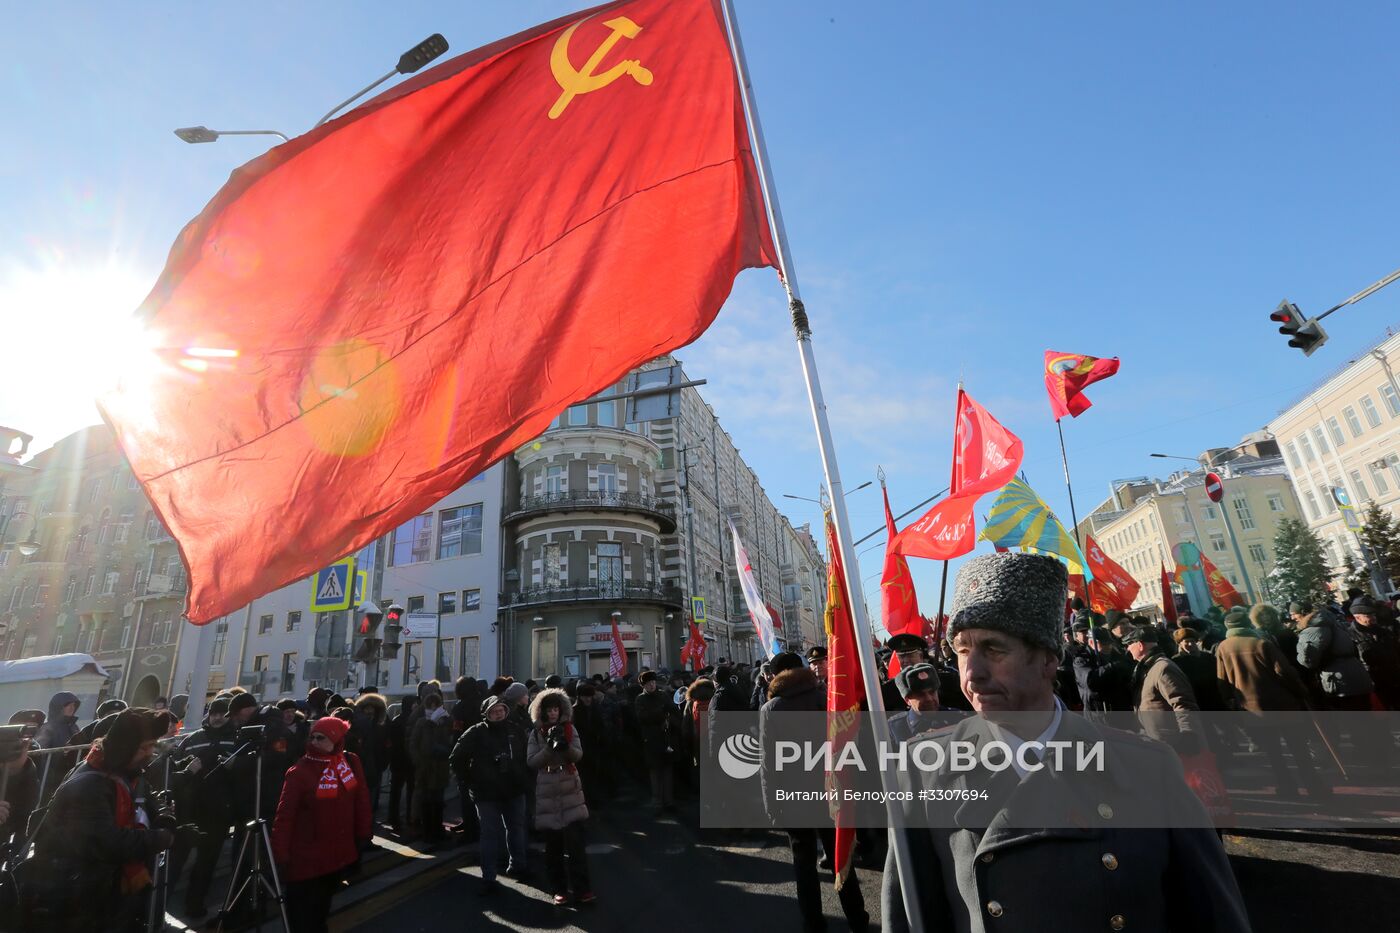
(662, 510)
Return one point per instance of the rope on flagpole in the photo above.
(1064, 459)
(802, 330)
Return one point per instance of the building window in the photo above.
(415, 604)
(1393, 462)
(126, 634)
(607, 414)
(1256, 553)
(469, 657)
(609, 568)
(1306, 446)
(289, 672)
(216, 657)
(293, 621)
(1275, 502)
(1334, 428)
(1328, 502)
(442, 670)
(412, 662)
(1391, 402)
(1209, 512)
(460, 532)
(543, 652)
(413, 542)
(1368, 408)
(1378, 478)
(554, 480)
(447, 603)
(1217, 543)
(109, 582)
(1313, 513)
(471, 600)
(1353, 422)
(578, 416)
(259, 663)
(1361, 494)
(1242, 512)
(607, 479)
(1321, 438)
(552, 570)
(264, 624)
(1183, 517)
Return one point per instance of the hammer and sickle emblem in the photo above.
(576, 81)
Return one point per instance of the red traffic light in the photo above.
(1287, 315)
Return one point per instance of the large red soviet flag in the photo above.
(367, 316)
(1067, 375)
(986, 456)
(899, 604)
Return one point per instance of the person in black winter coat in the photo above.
(205, 795)
(590, 721)
(466, 712)
(400, 764)
(1378, 644)
(490, 759)
(22, 783)
(62, 722)
(659, 722)
(795, 688)
(93, 838)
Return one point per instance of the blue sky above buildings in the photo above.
(965, 185)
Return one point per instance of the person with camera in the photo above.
(322, 824)
(206, 794)
(21, 775)
(490, 759)
(94, 850)
(554, 751)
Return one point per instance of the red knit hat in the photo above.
(333, 729)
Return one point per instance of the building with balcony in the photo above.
(607, 515)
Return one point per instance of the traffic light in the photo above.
(393, 627)
(1304, 334)
(370, 617)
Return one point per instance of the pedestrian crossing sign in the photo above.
(331, 587)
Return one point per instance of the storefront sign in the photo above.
(599, 637)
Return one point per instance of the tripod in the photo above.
(253, 852)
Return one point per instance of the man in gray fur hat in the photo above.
(1087, 872)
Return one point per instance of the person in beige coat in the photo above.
(554, 751)
(1165, 702)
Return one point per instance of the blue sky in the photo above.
(965, 185)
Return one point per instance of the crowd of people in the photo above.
(140, 788)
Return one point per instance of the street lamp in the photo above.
(30, 546)
(409, 62)
(788, 495)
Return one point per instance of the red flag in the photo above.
(1168, 599)
(1067, 375)
(617, 658)
(1221, 592)
(899, 605)
(845, 688)
(986, 456)
(1112, 585)
(367, 316)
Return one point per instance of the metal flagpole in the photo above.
(1064, 458)
(803, 333)
(952, 482)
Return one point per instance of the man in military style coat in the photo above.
(1050, 850)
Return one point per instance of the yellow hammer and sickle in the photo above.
(582, 80)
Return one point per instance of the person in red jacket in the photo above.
(322, 823)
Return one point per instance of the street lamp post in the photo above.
(409, 62)
(30, 546)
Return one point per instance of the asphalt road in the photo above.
(648, 870)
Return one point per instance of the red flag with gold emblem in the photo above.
(1111, 586)
(1222, 593)
(899, 605)
(1067, 375)
(845, 688)
(367, 316)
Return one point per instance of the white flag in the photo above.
(758, 610)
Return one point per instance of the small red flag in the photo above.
(1221, 592)
(1168, 599)
(899, 604)
(845, 689)
(367, 316)
(1111, 584)
(1066, 376)
(986, 456)
(617, 657)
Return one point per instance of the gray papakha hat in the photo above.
(1017, 594)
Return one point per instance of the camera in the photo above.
(556, 739)
(14, 740)
(252, 735)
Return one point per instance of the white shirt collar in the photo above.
(1015, 741)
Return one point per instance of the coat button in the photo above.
(1117, 922)
(1110, 861)
(994, 908)
(987, 859)
(1105, 811)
